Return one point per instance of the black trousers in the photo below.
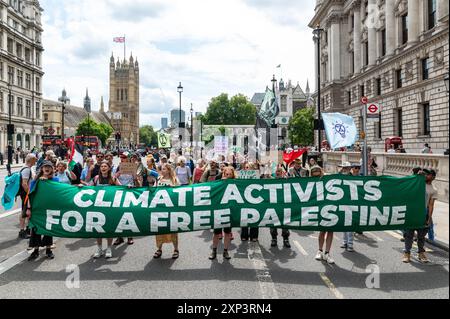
(284, 233)
(37, 240)
(252, 231)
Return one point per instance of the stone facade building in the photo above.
(21, 73)
(124, 98)
(395, 52)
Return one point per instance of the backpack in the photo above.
(21, 192)
(12, 190)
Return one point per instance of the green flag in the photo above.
(331, 203)
(163, 140)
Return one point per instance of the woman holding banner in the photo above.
(169, 179)
(316, 171)
(228, 173)
(46, 173)
(104, 178)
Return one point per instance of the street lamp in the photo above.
(317, 32)
(447, 86)
(274, 125)
(180, 125)
(10, 131)
(192, 129)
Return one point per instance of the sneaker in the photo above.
(118, 241)
(350, 249)
(406, 257)
(213, 255)
(274, 243)
(49, 254)
(344, 246)
(34, 255)
(286, 243)
(328, 258)
(423, 258)
(319, 255)
(226, 255)
(23, 234)
(98, 253)
(108, 253)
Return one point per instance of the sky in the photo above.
(210, 46)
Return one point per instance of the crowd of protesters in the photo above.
(157, 169)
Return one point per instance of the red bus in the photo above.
(91, 142)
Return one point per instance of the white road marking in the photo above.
(300, 248)
(374, 236)
(13, 261)
(393, 234)
(262, 272)
(10, 213)
(332, 287)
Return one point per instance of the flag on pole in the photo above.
(119, 39)
(340, 129)
(76, 154)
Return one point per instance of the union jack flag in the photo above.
(119, 39)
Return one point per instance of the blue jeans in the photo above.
(348, 238)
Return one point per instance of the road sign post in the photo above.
(364, 101)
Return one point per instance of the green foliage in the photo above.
(301, 127)
(89, 127)
(148, 136)
(235, 111)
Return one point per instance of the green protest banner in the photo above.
(164, 140)
(331, 203)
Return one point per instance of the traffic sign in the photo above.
(364, 100)
(373, 109)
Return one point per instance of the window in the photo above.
(19, 106)
(10, 46)
(431, 14)
(126, 94)
(366, 53)
(38, 58)
(45, 117)
(383, 42)
(38, 85)
(121, 94)
(361, 90)
(404, 28)
(352, 62)
(27, 55)
(378, 88)
(38, 111)
(28, 81)
(11, 103)
(425, 68)
(349, 97)
(398, 78)
(1, 71)
(283, 103)
(19, 50)
(379, 126)
(118, 95)
(28, 109)
(399, 122)
(20, 78)
(426, 119)
(10, 75)
(1, 102)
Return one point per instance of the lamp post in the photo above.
(447, 86)
(201, 136)
(180, 125)
(274, 125)
(192, 129)
(317, 32)
(10, 131)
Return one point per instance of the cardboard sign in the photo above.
(128, 168)
(250, 174)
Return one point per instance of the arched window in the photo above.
(27, 142)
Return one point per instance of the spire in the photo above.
(131, 58)
(307, 87)
(118, 63)
(136, 64)
(87, 102)
(111, 60)
(102, 106)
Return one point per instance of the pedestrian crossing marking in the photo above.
(300, 248)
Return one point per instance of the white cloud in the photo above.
(212, 47)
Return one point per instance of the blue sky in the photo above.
(210, 46)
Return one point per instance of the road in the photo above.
(256, 270)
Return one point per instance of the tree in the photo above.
(89, 127)
(301, 127)
(148, 136)
(235, 111)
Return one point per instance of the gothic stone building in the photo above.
(124, 99)
(395, 52)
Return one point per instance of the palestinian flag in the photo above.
(76, 155)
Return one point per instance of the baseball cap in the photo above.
(47, 163)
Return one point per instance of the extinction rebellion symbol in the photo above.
(163, 140)
(340, 128)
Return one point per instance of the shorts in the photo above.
(226, 230)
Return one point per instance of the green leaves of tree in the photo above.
(235, 111)
(91, 128)
(148, 136)
(301, 127)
